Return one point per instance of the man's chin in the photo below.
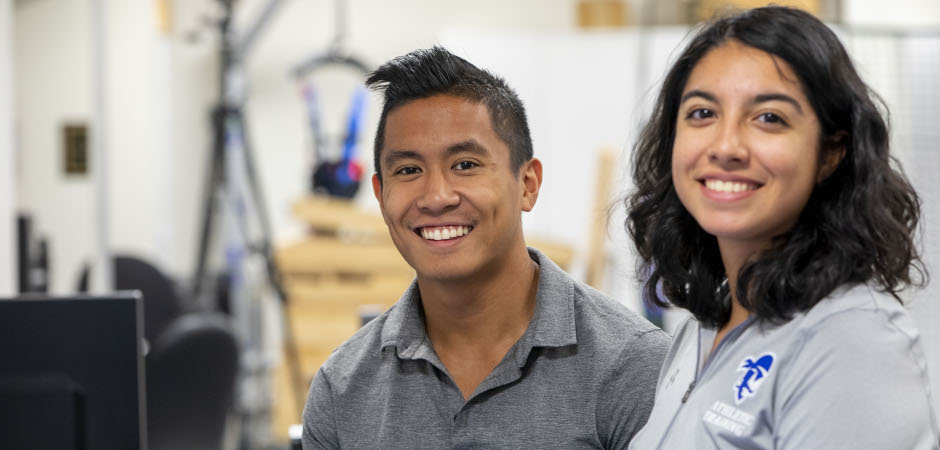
(443, 274)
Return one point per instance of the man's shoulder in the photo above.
(600, 320)
(621, 340)
(610, 317)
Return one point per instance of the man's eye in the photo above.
(465, 165)
(701, 113)
(410, 170)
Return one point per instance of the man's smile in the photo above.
(443, 233)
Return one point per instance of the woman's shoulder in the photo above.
(858, 329)
(856, 362)
(857, 307)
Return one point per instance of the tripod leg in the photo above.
(216, 169)
(263, 217)
(274, 276)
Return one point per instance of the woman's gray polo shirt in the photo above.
(850, 373)
(583, 375)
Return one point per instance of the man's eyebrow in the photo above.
(775, 96)
(391, 157)
(468, 146)
(394, 156)
(698, 93)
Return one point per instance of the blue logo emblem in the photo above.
(755, 370)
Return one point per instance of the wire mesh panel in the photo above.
(905, 70)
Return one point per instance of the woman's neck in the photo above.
(734, 254)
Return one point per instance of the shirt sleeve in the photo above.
(319, 427)
(859, 381)
(625, 396)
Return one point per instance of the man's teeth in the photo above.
(444, 233)
(729, 186)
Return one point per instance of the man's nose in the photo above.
(439, 194)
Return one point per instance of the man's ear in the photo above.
(531, 182)
(377, 189)
(833, 151)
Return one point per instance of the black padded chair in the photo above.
(191, 364)
(191, 370)
(162, 303)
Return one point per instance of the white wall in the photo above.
(53, 56)
(8, 269)
(53, 65)
(905, 14)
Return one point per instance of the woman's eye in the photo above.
(771, 118)
(410, 170)
(465, 165)
(701, 113)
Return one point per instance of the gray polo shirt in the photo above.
(850, 373)
(581, 376)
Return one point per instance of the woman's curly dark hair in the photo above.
(857, 226)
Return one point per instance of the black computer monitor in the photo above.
(72, 372)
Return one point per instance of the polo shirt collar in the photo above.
(552, 325)
(404, 328)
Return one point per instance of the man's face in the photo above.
(448, 195)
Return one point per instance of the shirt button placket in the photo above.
(462, 439)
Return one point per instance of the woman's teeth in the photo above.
(444, 233)
(729, 186)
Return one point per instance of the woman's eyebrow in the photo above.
(698, 93)
(761, 98)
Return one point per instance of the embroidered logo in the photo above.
(755, 370)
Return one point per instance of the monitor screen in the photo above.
(72, 372)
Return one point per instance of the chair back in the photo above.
(162, 303)
(191, 372)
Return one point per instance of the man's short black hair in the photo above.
(428, 72)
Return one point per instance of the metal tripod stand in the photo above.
(233, 192)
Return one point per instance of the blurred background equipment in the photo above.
(72, 373)
(191, 364)
(191, 371)
(32, 258)
(234, 195)
(162, 303)
(603, 14)
(337, 177)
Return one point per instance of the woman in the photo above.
(768, 206)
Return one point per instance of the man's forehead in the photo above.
(443, 122)
(438, 107)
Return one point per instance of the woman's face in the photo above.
(746, 154)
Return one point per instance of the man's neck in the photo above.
(473, 323)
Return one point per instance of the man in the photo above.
(493, 345)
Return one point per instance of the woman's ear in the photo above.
(832, 152)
